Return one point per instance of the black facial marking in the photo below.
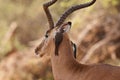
(58, 40)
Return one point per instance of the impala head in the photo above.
(52, 40)
(56, 33)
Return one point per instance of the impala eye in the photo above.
(46, 35)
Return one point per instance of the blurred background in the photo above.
(95, 30)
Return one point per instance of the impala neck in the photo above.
(64, 63)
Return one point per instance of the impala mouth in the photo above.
(39, 52)
(41, 55)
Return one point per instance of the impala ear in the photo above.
(65, 27)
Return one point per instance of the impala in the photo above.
(58, 46)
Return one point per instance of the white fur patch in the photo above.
(67, 28)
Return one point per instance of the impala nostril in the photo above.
(36, 51)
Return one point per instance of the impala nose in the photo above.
(37, 51)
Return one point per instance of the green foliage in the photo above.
(110, 3)
(9, 9)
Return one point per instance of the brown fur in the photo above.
(65, 67)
